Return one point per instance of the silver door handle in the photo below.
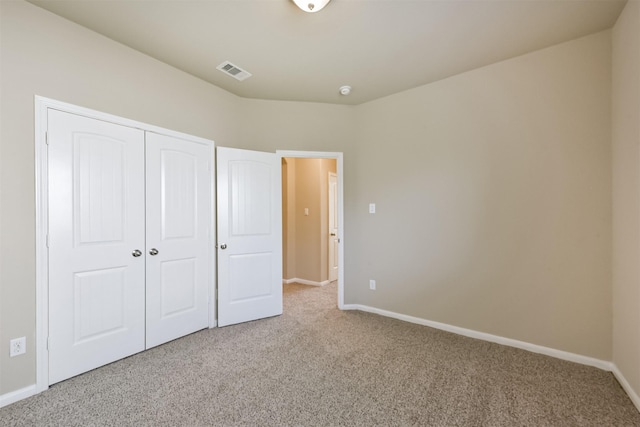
(136, 253)
(223, 246)
(153, 252)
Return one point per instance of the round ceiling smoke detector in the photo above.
(345, 90)
(311, 5)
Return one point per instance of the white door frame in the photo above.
(340, 170)
(42, 104)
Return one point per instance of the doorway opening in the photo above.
(312, 216)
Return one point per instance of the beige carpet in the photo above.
(318, 366)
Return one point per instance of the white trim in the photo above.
(42, 104)
(305, 282)
(340, 170)
(213, 238)
(106, 117)
(14, 396)
(42, 254)
(626, 386)
(534, 348)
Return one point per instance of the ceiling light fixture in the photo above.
(311, 5)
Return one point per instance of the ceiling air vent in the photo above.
(233, 70)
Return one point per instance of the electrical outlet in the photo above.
(372, 285)
(17, 346)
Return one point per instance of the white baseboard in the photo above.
(14, 396)
(305, 282)
(559, 354)
(626, 386)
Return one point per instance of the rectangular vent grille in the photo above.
(234, 71)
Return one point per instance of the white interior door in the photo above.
(178, 229)
(249, 203)
(96, 243)
(333, 227)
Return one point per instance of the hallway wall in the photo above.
(306, 239)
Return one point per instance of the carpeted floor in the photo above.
(318, 366)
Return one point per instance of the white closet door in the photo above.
(249, 235)
(96, 225)
(178, 228)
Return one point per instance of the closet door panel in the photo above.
(96, 222)
(178, 181)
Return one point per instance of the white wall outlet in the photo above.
(372, 285)
(372, 208)
(17, 346)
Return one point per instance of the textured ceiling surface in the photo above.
(379, 47)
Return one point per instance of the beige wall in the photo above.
(493, 200)
(626, 194)
(306, 251)
(307, 226)
(493, 187)
(304, 126)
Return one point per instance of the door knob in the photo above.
(223, 246)
(136, 253)
(153, 252)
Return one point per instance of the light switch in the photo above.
(306, 211)
(372, 208)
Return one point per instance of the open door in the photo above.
(249, 235)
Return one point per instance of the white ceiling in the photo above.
(379, 47)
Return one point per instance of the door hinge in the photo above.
(47, 240)
(48, 343)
